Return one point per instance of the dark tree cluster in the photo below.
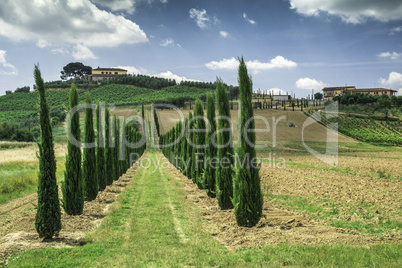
(203, 151)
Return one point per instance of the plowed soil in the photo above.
(278, 225)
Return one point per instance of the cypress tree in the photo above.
(73, 185)
(89, 162)
(224, 174)
(210, 149)
(190, 145)
(184, 147)
(116, 149)
(199, 141)
(247, 197)
(100, 150)
(112, 140)
(108, 150)
(48, 215)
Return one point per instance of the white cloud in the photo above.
(167, 74)
(395, 30)
(170, 75)
(255, 66)
(224, 34)
(392, 56)
(200, 17)
(164, 1)
(246, 18)
(309, 83)
(59, 23)
(394, 80)
(10, 69)
(276, 91)
(82, 53)
(351, 11)
(169, 43)
(116, 5)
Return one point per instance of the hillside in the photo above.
(19, 105)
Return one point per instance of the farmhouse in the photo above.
(281, 97)
(372, 91)
(330, 92)
(104, 73)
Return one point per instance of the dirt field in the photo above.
(274, 123)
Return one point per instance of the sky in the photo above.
(293, 46)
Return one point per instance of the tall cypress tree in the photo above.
(199, 141)
(108, 150)
(210, 150)
(190, 145)
(247, 197)
(116, 149)
(183, 147)
(89, 171)
(224, 174)
(73, 185)
(100, 150)
(48, 215)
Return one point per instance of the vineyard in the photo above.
(363, 129)
(18, 105)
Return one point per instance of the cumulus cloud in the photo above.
(276, 91)
(167, 74)
(351, 11)
(170, 75)
(394, 80)
(395, 30)
(58, 23)
(246, 18)
(310, 83)
(116, 5)
(392, 56)
(224, 34)
(82, 53)
(8, 68)
(255, 66)
(169, 43)
(200, 17)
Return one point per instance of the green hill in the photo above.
(19, 105)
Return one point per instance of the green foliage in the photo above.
(199, 143)
(210, 149)
(22, 90)
(74, 69)
(108, 149)
(225, 153)
(73, 186)
(247, 197)
(189, 153)
(100, 151)
(364, 129)
(318, 96)
(48, 215)
(89, 171)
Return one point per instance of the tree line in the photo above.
(203, 151)
(105, 157)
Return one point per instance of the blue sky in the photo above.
(289, 45)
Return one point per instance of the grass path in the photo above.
(153, 224)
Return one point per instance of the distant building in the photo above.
(372, 91)
(104, 73)
(281, 97)
(330, 92)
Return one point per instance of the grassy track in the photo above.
(153, 224)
